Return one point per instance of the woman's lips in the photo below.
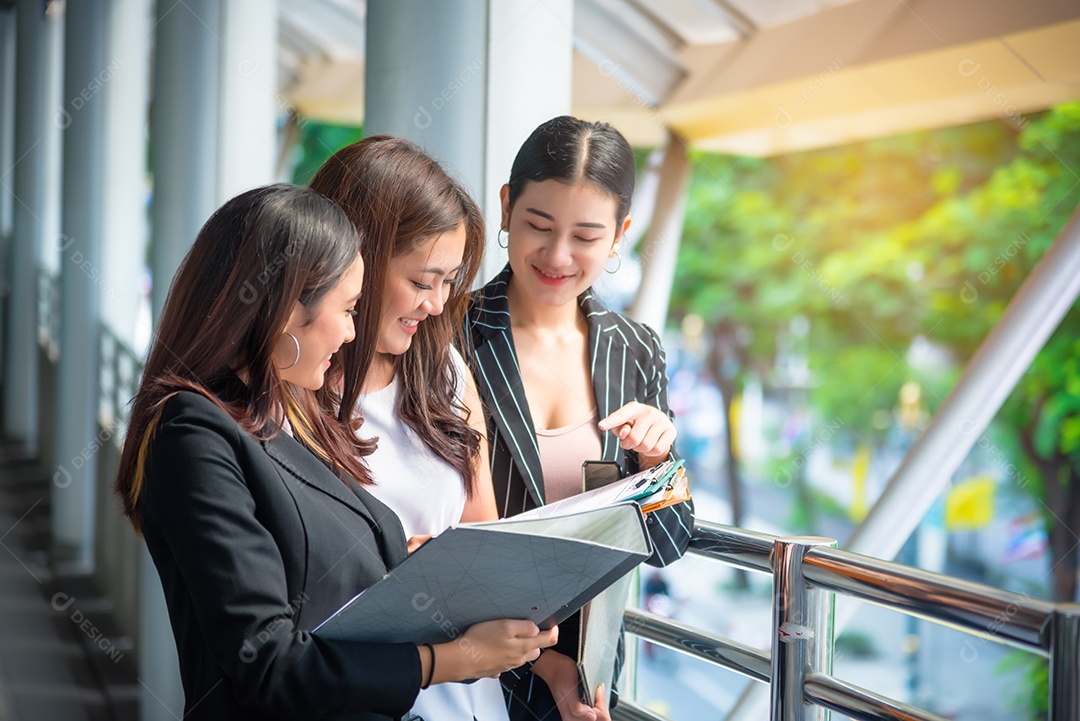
(550, 278)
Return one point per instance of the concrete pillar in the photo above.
(125, 188)
(529, 80)
(7, 159)
(184, 146)
(660, 248)
(7, 128)
(183, 133)
(27, 181)
(52, 141)
(162, 694)
(250, 102)
(462, 78)
(81, 281)
(425, 79)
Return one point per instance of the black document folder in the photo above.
(539, 565)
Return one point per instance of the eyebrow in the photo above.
(440, 271)
(542, 214)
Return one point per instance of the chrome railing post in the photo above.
(802, 628)
(1065, 663)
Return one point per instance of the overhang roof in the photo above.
(756, 77)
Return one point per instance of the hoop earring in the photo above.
(617, 267)
(297, 344)
(498, 239)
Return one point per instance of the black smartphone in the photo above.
(597, 474)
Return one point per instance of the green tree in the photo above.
(878, 244)
(992, 238)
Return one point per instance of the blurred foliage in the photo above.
(1032, 697)
(853, 257)
(317, 142)
(855, 644)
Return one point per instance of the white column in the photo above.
(75, 427)
(52, 140)
(7, 128)
(125, 188)
(184, 142)
(7, 155)
(660, 248)
(162, 693)
(250, 101)
(529, 74)
(424, 78)
(184, 132)
(27, 183)
(468, 80)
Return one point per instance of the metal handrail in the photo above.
(993, 614)
(48, 312)
(1004, 616)
(120, 370)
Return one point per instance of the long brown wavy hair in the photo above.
(400, 198)
(253, 260)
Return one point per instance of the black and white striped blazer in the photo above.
(627, 364)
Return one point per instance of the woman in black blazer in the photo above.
(245, 491)
(546, 354)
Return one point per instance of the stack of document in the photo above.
(657, 487)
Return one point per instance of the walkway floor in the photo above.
(52, 663)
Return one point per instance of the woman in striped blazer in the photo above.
(564, 379)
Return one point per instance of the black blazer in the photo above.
(627, 363)
(256, 544)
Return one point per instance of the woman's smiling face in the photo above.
(417, 285)
(319, 331)
(560, 237)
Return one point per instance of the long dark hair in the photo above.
(255, 257)
(400, 198)
(570, 150)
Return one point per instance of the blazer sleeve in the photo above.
(199, 504)
(669, 528)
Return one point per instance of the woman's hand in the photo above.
(646, 430)
(416, 541)
(560, 673)
(488, 649)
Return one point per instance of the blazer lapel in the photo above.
(497, 367)
(302, 464)
(607, 364)
(394, 543)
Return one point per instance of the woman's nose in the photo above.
(559, 252)
(436, 300)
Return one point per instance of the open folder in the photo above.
(540, 566)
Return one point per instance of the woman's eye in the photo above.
(421, 286)
(352, 312)
(451, 281)
(587, 240)
(538, 229)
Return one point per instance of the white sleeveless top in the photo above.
(428, 495)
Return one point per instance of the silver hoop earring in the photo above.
(498, 239)
(616, 270)
(297, 344)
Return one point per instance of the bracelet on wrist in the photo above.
(431, 668)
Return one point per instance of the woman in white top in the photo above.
(416, 400)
